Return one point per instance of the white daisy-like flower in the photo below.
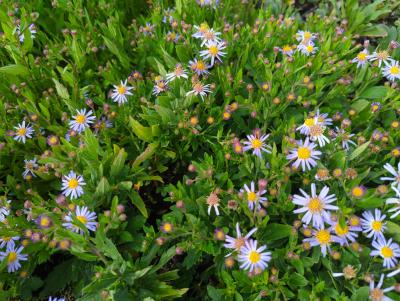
(396, 175)
(345, 137)
(4, 210)
(23, 131)
(120, 92)
(213, 202)
(388, 250)
(305, 127)
(210, 36)
(396, 202)
(199, 67)
(81, 120)
(316, 133)
(323, 118)
(376, 293)
(316, 206)
(21, 35)
(254, 199)
(160, 86)
(305, 37)
(8, 240)
(30, 167)
(253, 258)
(239, 241)
(307, 49)
(83, 215)
(361, 59)
(213, 51)
(199, 89)
(391, 70)
(305, 154)
(287, 50)
(257, 144)
(13, 257)
(56, 299)
(373, 226)
(345, 233)
(179, 72)
(72, 185)
(380, 56)
(323, 238)
(200, 30)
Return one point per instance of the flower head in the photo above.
(373, 225)
(239, 241)
(254, 199)
(305, 155)
(23, 131)
(30, 167)
(322, 237)
(84, 216)
(361, 59)
(199, 67)
(13, 257)
(213, 201)
(396, 202)
(121, 92)
(388, 250)
(376, 293)
(395, 173)
(72, 185)
(256, 143)
(253, 258)
(213, 51)
(179, 72)
(199, 89)
(81, 120)
(391, 70)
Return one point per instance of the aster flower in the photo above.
(305, 127)
(213, 201)
(102, 123)
(395, 173)
(56, 299)
(396, 202)
(380, 56)
(323, 238)
(349, 272)
(213, 51)
(200, 30)
(316, 133)
(52, 140)
(239, 241)
(305, 155)
(13, 257)
(160, 86)
(148, 29)
(323, 118)
(4, 210)
(210, 36)
(253, 258)
(81, 120)
(287, 50)
(179, 72)
(345, 233)
(307, 49)
(373, 225)
(199, 89)
(30, 167)
(345, 137)
(391, 70)
(254, 199)
(377, 293)
(316, 206)
(305, 37)
(361, 59)
(5, 241)
(21, 35)
(199, 67)
(23, 131)
(376, 107)
(44, 221)
(72, 185)
(84, 216)
(166, 227)
(257, 144)
(120, 92)
(388, 250)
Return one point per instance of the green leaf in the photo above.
(147, 153)
(103, 187)
(143, 133)
(118, 163)
(14, 70)
(359, 150)
(138, 202)
(374, 92)
(297, 280)
(361, 294)
(394, 230)
(276, 231)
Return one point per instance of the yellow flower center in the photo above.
(80, 119)
(167, 227)
(362, 56)
(323, 236)
(256, 143)
(354, 221)
(53, 140)
(213, 50)
(12, 256)
(307, 35)
(309, 121)
(251, 196)
(376, 226)
(238, 148)
(265, 86)
(239, 242)
(395, 70)
(73, 183)
(82, 219)
(315, 205)
(382, 55)
(303, 153)
(358, 191)
(21, 132)
(6, 238)
(286, 48)
(310, 48)
(387, 252)
(254, 257)
(121, 89)
(201, 66)
(376, 294)
(316, 130)
(203, 28)
(44, 222)
(341, 231)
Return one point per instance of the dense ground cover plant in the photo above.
(199, 150)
